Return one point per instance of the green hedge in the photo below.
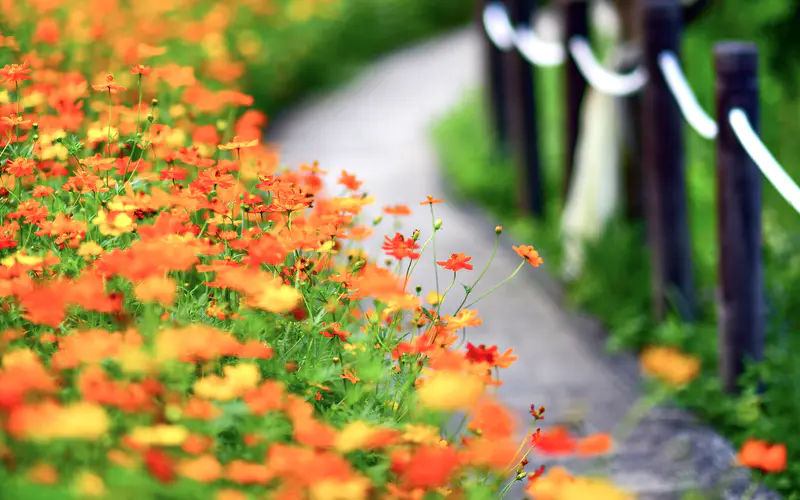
(315, 55)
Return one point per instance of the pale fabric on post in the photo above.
(594, 195)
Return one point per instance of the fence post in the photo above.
(495, 83)
(664, 167)
(523, 133)
(741, 301)
(576, 23)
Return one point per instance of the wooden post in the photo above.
(741, 300)
(664, 165)
(495, 84)
(576, 23)
(521, 106)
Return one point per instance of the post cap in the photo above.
(736, 57)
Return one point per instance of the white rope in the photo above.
(536, 50)
(498, 26)
(599, 77)
(767, 163)
(687, 102)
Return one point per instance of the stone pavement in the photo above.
(378, 128)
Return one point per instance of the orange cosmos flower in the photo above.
(757, 454)
(430, 200)
(349, 181)
(238, 143)
(15, 73)
(457, 262)
(109, 86)
(530, 255)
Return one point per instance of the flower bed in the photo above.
(183, 317)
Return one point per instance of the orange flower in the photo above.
(457, 262)
(140, 69)
(109, 86)
(430, 200)
(156, 289)
(238, 144)
(349, 181)
(596, 444)
(15, 73)
(669, 365)
(397, 210)
(530, 255)
(757, 454)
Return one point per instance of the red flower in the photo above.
(334, 330)
(399, 247)
(457, 262)
(159, 465)
(481, 354)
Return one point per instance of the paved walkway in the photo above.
(378, 128)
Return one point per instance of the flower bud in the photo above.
(437, 225)
(498, 229)
(150, 118)
(377, 220)
(154, 102)
(415, 235)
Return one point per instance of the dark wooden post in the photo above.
(576, 23)
(523, 131)
(664, 165)
(495, 84)
(741, 300)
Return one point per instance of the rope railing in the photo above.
(506, 37)
(667, 102)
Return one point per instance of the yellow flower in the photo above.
(421, 434)
(78, 421)
(277, 298)
(89, 484)
(354, 489)
(90, 249)
(434, 298)
(176, 138)
(177, 110)
(669, 365)
(160, 435)
(238, 379)
(449, 390)
(353, 437)
(596, 489)
(113, 224)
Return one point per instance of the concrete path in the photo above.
(378, 128)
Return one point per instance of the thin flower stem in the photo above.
(469, 291)
(439, 305)
(413, 265)
(435, 266)
(751, 491)
(497, 285)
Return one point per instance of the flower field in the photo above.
(185, 317)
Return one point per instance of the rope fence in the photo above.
(666, 98)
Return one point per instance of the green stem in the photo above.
(469, 291)
(497, 285)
